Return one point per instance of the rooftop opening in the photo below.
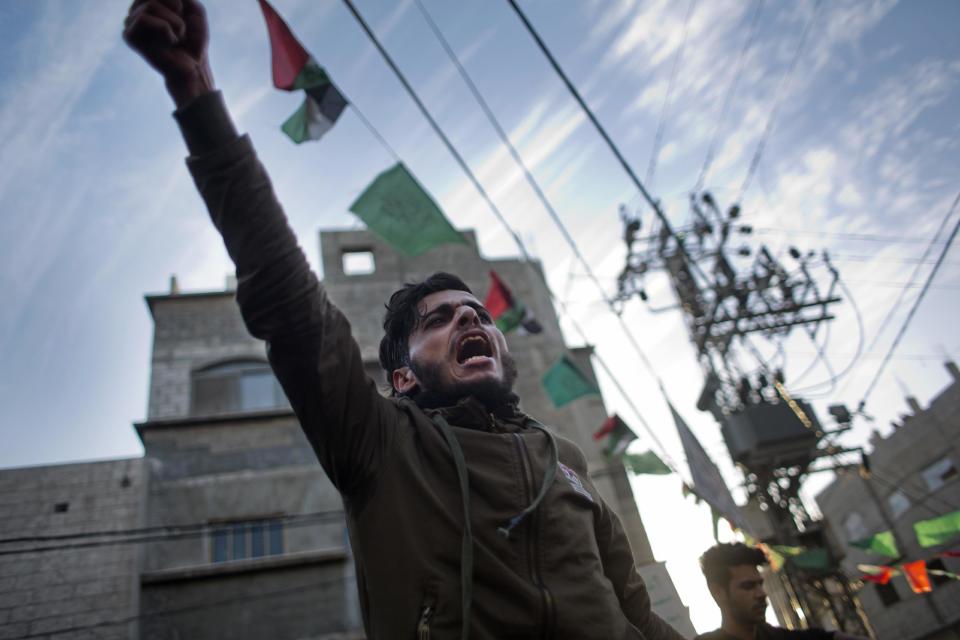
(358, 262)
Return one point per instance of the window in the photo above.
(939, 473)
(937, 579)
(887, 593)
(854, 527)
(898, 503)
(358, 262)
(242, 540)
(243, 385)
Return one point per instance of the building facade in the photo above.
(913, 477)
(227, 527)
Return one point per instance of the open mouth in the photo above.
(473, 348)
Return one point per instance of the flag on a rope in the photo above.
(508, 312)
(618, 435)
(881, 543)
(916, 573)
(878, 575)
(935, 531)
(564, 382)
(293, 69)
(646, 463)
(400, 211)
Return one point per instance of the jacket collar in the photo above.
(470, 413)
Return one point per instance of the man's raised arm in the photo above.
(309, 342)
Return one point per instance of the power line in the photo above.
(728, 99)
(777, 101)
(665, 109)
(257, 595)
(503, 221)
(93, 539)
(864, 237)
(913, 309)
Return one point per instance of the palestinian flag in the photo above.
(508, 312)
(618, 435)
(293, 69)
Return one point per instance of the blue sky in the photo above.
(96, 207)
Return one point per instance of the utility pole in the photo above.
(728, 298)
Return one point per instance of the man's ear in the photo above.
(719, 594)
(404, 380)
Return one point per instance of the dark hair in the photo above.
(402, 317)
(718, 560)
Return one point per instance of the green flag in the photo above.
(645, 463)
(936, 531)
(816, 558)
(397, 209)
(881, 543)
(565, 383)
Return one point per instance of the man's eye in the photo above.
(484, 316)
(434, 321)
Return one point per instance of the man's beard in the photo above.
(433, 392)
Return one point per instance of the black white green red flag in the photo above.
(294, 69)
(508, 312)
(618, 436)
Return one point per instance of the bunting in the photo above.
(936, 531)
(646, 463)
(618, 435)
(916, 573)
(508, 312)
(882, 543)
(293, 68)
(564, 382)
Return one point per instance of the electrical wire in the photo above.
(728, 99)
(779, 93)
(665, 108)
(222, 602)
(503, 221)
(860, 237)
(94, 539)
(913, 309)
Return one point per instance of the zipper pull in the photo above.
(423, 627)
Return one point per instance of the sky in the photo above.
(861, 159)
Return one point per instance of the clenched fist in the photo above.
(172, 37)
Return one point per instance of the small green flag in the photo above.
(565, 383)
(935, 531)
(816, 558)
(397, 208)
(647, 463)
(881, 543)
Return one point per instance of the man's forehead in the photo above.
(447, 296)
(742, 572)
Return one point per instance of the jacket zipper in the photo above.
(423, 626)
(530, 489)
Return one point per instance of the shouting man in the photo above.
(737, 587)
(458, 526)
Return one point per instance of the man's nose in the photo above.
(467, 316)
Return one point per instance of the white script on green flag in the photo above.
(400, 211)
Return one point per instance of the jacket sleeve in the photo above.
(309, 342)
(621, 570)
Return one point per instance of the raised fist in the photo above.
(172, 37)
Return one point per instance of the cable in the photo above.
(913, 309)
(665, 109)
(864, 237)
(728, 99)
(155, 534)
(503, 221)
(531, 180)
(257, 595)
(922, 500)
(777, 101)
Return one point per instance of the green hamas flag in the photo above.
(646, 463)
(935, 531)
(564, 383)
(816, 558)
(881, 543)
(397, 209)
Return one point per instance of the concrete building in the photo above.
(227, 527)
(914, 476)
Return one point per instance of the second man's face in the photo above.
(746, 599)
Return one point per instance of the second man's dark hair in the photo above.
(403, 315)
(718, 560)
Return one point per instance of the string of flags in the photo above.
(930, 533)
